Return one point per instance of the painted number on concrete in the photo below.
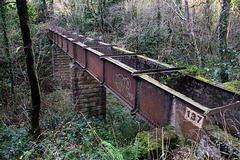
(194, 117)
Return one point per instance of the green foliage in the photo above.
(154, 141)
(13, 142)
(212, 67)
(110, 152)
(152, 41)
(131, 152)
(113, 1)
(68, 135)
(159, 32)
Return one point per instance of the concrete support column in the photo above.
(61, 66)
(87, 95)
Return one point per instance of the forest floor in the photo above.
(67, 135)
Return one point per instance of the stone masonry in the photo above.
(87, 95)
(61, 66)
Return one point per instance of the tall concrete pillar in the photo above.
(87, 95)
(61, 66)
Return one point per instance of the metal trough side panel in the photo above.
(183, 113)
(71, 47)
(187, 118)
(155, 104)
(56, 38)
(94, 64)
(65, 45)
(60, 41)
(80, 56)
(121, 83)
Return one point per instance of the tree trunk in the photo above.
(187, 15)
(222, 37)
(44, 10)
(6, 44)
(208, 16)
(51, 9)
(190, 28)
(33, 80)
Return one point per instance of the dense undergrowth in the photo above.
(67, 135)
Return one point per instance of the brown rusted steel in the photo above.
(55, 38)
(98, 46)
(156, 104)
(81, 58)
(117, 55)
(65, 45)
(222, 109)
(120, 81)
(179, 102)
(70, 47)
(75, 52)
(176, 94)
(94, 64)
(60, 41)
(153, 71)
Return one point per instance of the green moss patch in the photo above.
(233, 86)
(204, 79)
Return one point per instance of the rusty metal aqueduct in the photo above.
(157, 92)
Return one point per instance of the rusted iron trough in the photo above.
(155, 91)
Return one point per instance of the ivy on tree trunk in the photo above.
(222, 37)
(33, 80)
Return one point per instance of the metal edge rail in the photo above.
(140, 72)
(207, 111)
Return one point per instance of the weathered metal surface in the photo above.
(174, 93)
(70, 47)
(65, 44)
(56, 38)
(186, 125)
(153, 71)
(81, 55)
(98, 46)
(95, 64)
(118, 55)
(155, 103)
(120, 82)
(159, 98)
(222, 109)
(60, 41)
